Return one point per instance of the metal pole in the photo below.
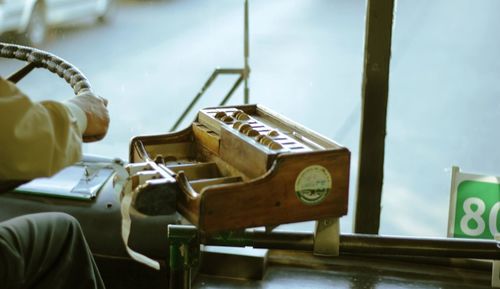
(246, 55)
(195, 99)
(365, 244)
(184, 243)
(379, 19)
(231, 91)
(208, 83)
(427, 247)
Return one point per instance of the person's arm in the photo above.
(39, 139)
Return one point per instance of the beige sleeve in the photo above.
(36, 139)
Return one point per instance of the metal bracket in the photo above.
(327, 237)
(184, 247)
(495, 272)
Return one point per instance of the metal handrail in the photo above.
(242, 72)
(184, 243)
(208, 83)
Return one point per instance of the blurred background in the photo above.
(150, 58)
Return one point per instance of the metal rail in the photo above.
(243, 73)
(366, 244)
(184, 246)
(208, 83)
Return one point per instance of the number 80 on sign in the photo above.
(476, 210)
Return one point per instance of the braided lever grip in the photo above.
(46, 60)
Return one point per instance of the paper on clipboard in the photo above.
(81, 181)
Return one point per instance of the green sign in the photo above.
(477, 206)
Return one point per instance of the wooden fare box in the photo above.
(247, 166)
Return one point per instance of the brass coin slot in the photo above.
(252, 133)
(242, 116)
(265, 140)
(273, 133)
(244, 128)
(227, 119)
(275, 146)
(237, 124)
(220, 115)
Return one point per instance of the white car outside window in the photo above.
(31, 18)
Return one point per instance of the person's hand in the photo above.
(95, 108)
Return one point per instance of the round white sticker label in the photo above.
(313, 184)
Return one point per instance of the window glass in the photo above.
(443, 109)
(150, 58)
